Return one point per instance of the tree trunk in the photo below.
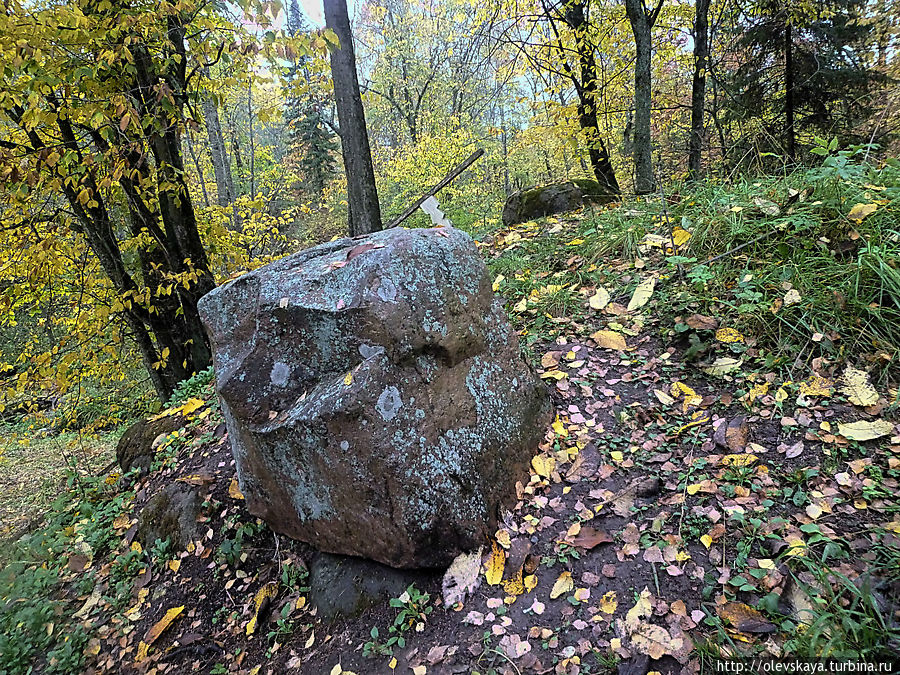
(642, 21)
(588, 93)
(698, 88)
(252, 142)
(365, 214)
(201, 178)
(221, 166)
(790, 141)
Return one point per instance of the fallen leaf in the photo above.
(263, 596)
(861, 211)
(157, 628)
(543, 465)
(494, 572)
(680, 236)
(642, 294)
(856, 387)
(767, 207)
(234, 490)
(654, 641)
(608, 339)
(722, 366)
(641, 608)
(609, 603)
(564, 584)
(701, 322)
(588, 538)
(600, 299)
(461, 578)
(729, 335)
(792, 297)
(864, 430)
(744, 618)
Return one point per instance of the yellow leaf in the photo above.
(543, 465)
(691, 397)
(521, 306)
(855, 386)
(553, 375)
(142, 650)
(600, 299)
(157, 628)
(609, 603)
(136, 547)
(263, 596)
(706, 540)
(816, 386)
(729, 335)
(680, 235)
(796, 547)
(860, 211)
(516, 585)
(191, 405)
(739, 460)
(564, 584)
(694, 489)
(722, 366)
(642, 294)
(781, 395)
(392, 664)
(530, 582)
(757, 391)
(608, 339)
(496, 285)
(617, 455)
(559, 429)
(348, 379)
(503, 538)
(575, 242)
(174, 565)
(234, 490)
(865, 430)
(642, 607)
(494, 572)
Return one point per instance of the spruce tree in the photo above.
(309, 138)
(803, 71)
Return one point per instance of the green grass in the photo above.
(847, 272)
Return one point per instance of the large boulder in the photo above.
(374, 394)
(555, 198)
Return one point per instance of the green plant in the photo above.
(196, 386)
(845, 618)
(414, 607)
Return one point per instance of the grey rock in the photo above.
(374, 394)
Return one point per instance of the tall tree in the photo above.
(311, 141)
(698, 87)
(362, 196)
(585, 78)
(642, 20)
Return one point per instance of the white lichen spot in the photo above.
(281, 373)
(387, 291)
(345, 445)
(389, 403)
(368, 351)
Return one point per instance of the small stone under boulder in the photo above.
(375, 398)
(554, 198)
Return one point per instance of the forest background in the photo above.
(150, 152)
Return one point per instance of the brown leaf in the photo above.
(588, 538)
(701, 322)
(737, 435)
(360, 249)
